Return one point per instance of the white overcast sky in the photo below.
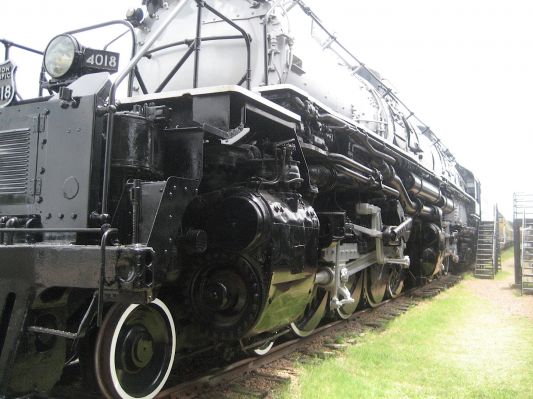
(464, 66)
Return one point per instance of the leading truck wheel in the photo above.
(135, 350)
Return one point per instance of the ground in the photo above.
(501, 291)
(472, 341)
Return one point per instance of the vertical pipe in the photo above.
(42, 79)
(246, 38)
(494, 238)
(102, 280)
(197, 43)
(265, 49)
(112, 107)
(136, 209)
(336, 283)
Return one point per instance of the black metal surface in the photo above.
(167, 202)
(15, 295)
(136, 145)
(206, 199)
(65, 334)
(61, 195)
(102, 277)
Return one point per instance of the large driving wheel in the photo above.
(314, 312)
(396, 280)
(261, 350)
(355, 286)
(376, 283)
(135, 350)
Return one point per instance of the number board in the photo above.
(7, 83)
(100, 60)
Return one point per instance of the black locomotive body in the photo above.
(135, 233)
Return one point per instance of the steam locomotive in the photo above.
(256, 179)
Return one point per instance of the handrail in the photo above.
(112, 99)
(360, 65)
(521, 248)
(495, 240)
(246, 37)
(146, 51)
(98, 26)
(8, 44)
(102, 280)
(188, 42)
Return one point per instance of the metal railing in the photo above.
(495, 238)
(194, 47)
(522, 216)
(356, 65)
(7, 47)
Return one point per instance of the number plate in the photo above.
(100, 60)
(7, 83)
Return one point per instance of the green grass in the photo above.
(507, 254)
(455, 346)
(502, 275)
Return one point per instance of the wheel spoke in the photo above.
(396, 281)
(355, 286)
(376, 283)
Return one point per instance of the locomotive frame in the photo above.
(205, 216)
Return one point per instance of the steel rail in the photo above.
(233, 371)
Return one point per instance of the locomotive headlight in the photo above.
(60, 55)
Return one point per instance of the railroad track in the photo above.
(234, 379)
(276, 367)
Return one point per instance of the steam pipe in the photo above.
(429, 192)
(344, 160)
(366, 141)
(410, 207)
(379, 154)
(352, 173)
